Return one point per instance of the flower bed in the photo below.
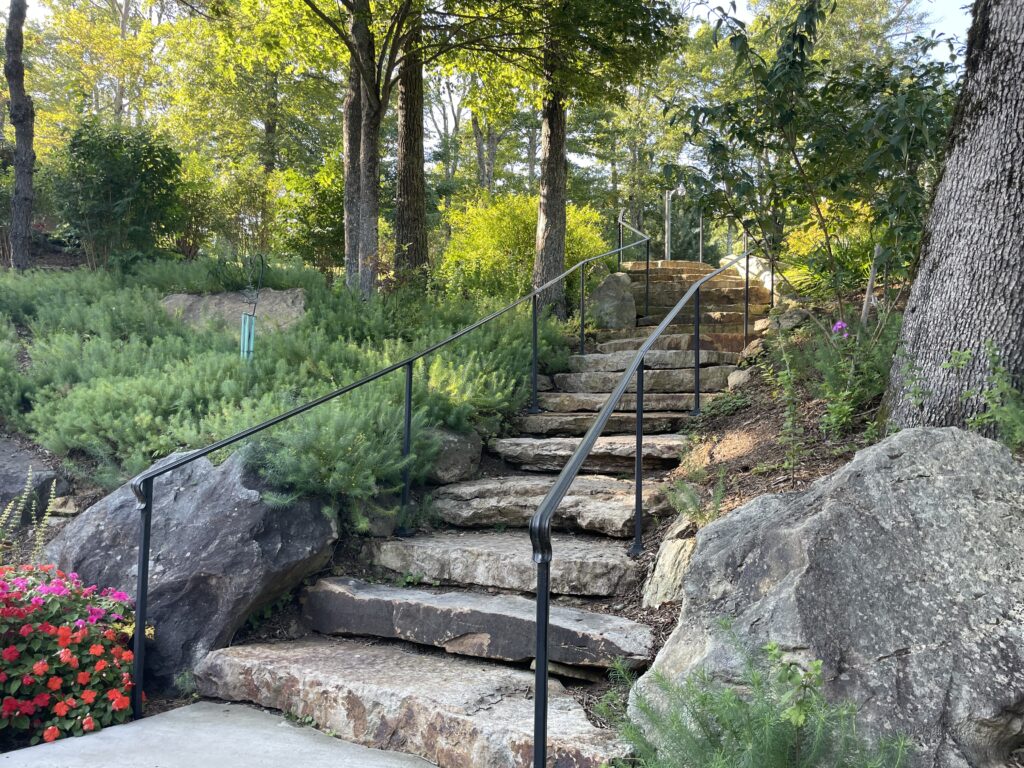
(64, 663)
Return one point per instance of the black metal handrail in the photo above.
(540, 523)
(142, 485)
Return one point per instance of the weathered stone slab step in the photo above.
(583, 565)
(612, 453)
(723, 316)
(452, 711)
(669, 293)
(655, 359)
(594, 503)
(499, 627)
(577, 424)
(633, 338)
(706, 326)
(712, 379)
(672, 265)
(575, 402)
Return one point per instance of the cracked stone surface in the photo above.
(619, 361)
(613, 453)
(902, 571)
(594, 503)
(729, 342)
(474, 624)
(574, 402)
(454, 712)
(583, 565)
(577, 424)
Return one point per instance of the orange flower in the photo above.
(88, 696)
(101, 665)
(121, 702)
(51, 734)
(127, 656)
(60, 709)
(40, 668)
(96, 650)
(53, 683)
(65, 655)
(88, 724)
(83, 678)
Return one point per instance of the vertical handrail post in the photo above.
(145, 509)
(583, 307)
(534, 399)
(647, 281)
(540, 685)
(407, 436)
(746, 294)
(638, 472)
(696, 353)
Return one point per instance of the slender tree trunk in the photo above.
(967, 293)
(550, 258)
(23, 120)
(353, 117)
(531, 155)
(369, 196)
(486, 153)
(411, 197)
(481, 159)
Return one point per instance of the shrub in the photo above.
(1004, 404)
(491, 250)
(776, 718)
(64, 668)
(116, 188)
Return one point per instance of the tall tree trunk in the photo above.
(369, 195)
(967, 293)
(411, 197)
(550, 258)
(353, 117)
(486, 153)
(23, 120)
(531, 154)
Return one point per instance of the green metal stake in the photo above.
(248, 335)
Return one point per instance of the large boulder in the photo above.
(612, 304)
(902, 571)
(275, 310)
(17, 464)
(458, 456)
(219, 552)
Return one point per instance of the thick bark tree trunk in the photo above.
(23, 120)
(967, 292)
(353, 116)
(369, 195)
(411, 197)
(550, 258)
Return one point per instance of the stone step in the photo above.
(655, 359)
(670, 293)
(672, 265)
(712, 379)
(611, 453)
(713, 319)
(583, 565)
(633, 338)
(501, 627)
(455, 712)
(594, 503)
(577, 424)
(575, 402)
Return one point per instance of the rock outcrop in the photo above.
(219, 552)
(16, 464)
(902, 571)
(612, 304)
(458, 456)
(276, 310)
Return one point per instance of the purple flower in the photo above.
(840, 327)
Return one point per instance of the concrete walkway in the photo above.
(207, 735)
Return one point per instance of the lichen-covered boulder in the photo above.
(902, 571)
(219, 552)
(612, 304)
(275, 310)
(458, 456)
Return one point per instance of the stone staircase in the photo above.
(436, 662)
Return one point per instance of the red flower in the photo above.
(101, 665)
(9, 707)
(47, 628)
(51, 734)
(3, 677)
(65, 655)
(26, 708)
(60, 709)
(41, 699)
(89, 696)
(10, 653)
(26, 630)
(121, 702)
(113, 693)
(127, 656)
(28, 680)
(83, 678)
(88, 724)
(110, 635)
(54, 683)
(96, 650)
(40, 668)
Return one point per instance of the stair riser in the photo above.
(575, 402)
(668, 295)
(726, 342)
(611, 455)
(654, 360)
(576, 425)
(714, 379)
